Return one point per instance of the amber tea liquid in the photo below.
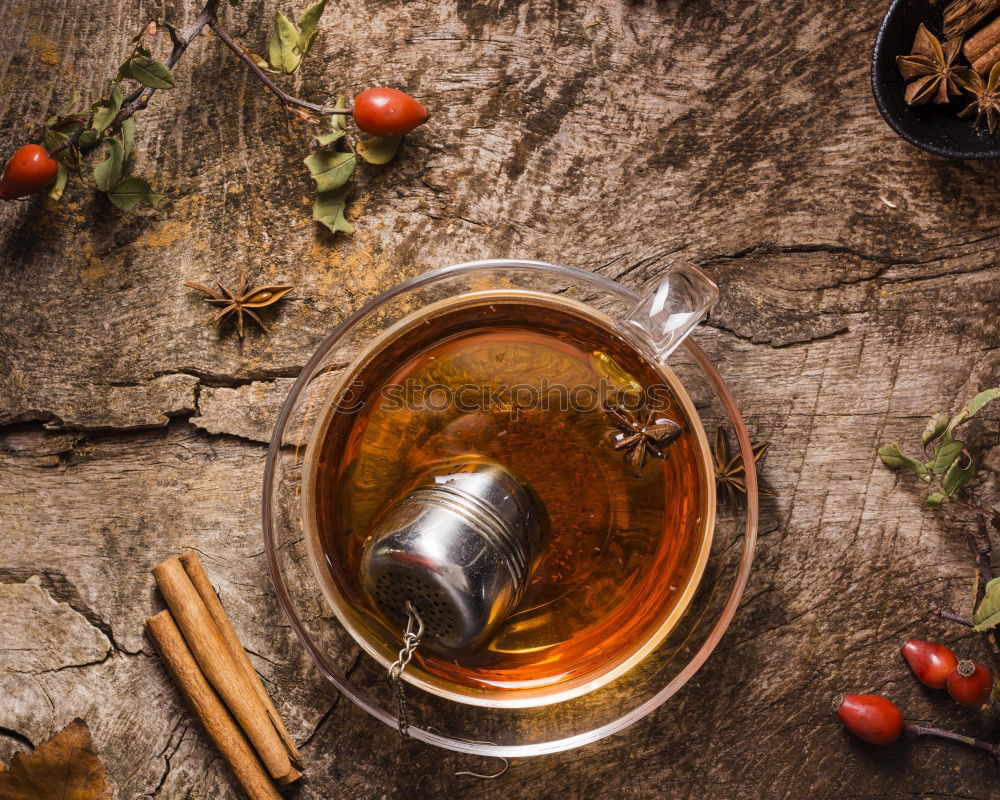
(623, 552)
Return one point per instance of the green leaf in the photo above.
(260, 62)
(958, 476)
(338, 122)
(329, 209)
(379, 150)
(105, 111)
(934, 500)
(308, 25)
(330, 138)
(128, 135)
(59, 185)
(109, 171)
(283, 48)
(894, 458)
(988, 612)
(945, 453)
(330, 170)
(935, 427)
(88, 140)
(132, 191)
(150, 72)
(974, 406)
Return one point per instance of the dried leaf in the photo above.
(105, 111)
(935, 427)
(328, 208)
(945, 454)
(934, 500)
(150, 72)
(330, 170)
(958, 476)
(59, 185)
(283, 48)
(132, 191)
(66, 767)
(109, 171)
(988, 611)
(128, 135)
(974, 406)
(378, 149)
(308, 25)
(894, 458)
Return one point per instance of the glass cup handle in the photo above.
(661, 320)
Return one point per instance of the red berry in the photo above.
(970, 684)
(871, 717)
(30, 168)
(388, 112)
(931, 662)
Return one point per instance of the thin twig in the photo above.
(968, 623)
(283, 96)
(139, 98)
(925, 730)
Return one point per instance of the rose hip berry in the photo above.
(871, 717)
(388, 112)
(931, 662)
(30, 168)
(970, 684)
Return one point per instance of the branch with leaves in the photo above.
(74, 134)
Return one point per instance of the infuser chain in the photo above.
(411, 640)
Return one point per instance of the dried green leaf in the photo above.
(330, 170)
(105, 111)
(935, 427)
(329, 138)
(308, 25)
(59, 184)
(109, 171)
(338, 122)
(329, 209)
(150, 72)
(88, 140)
(378, 149)
(945, 453)
(894, 458)
(283, 49)
(974, 406)
(987, 613)
(128, 135)
(934, 500)
(958, 476)
(132, 191)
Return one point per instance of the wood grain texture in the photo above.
(860, 291)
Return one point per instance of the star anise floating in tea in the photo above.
(931, 69)
(986, 106)
(730, 472)
(641, 432)
(242, 301)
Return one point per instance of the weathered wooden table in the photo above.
(859, 293)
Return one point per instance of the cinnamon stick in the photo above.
(202, 584)
(962, 16)
(220, 668)
(985, 62)
(215, 719)
(982, 41)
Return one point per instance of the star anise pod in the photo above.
(243, 301)
(986, 106)
(730, 473)
(641, 432)
(931, 71)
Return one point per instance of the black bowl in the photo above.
(935, 129)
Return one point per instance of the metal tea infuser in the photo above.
(450, 561)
